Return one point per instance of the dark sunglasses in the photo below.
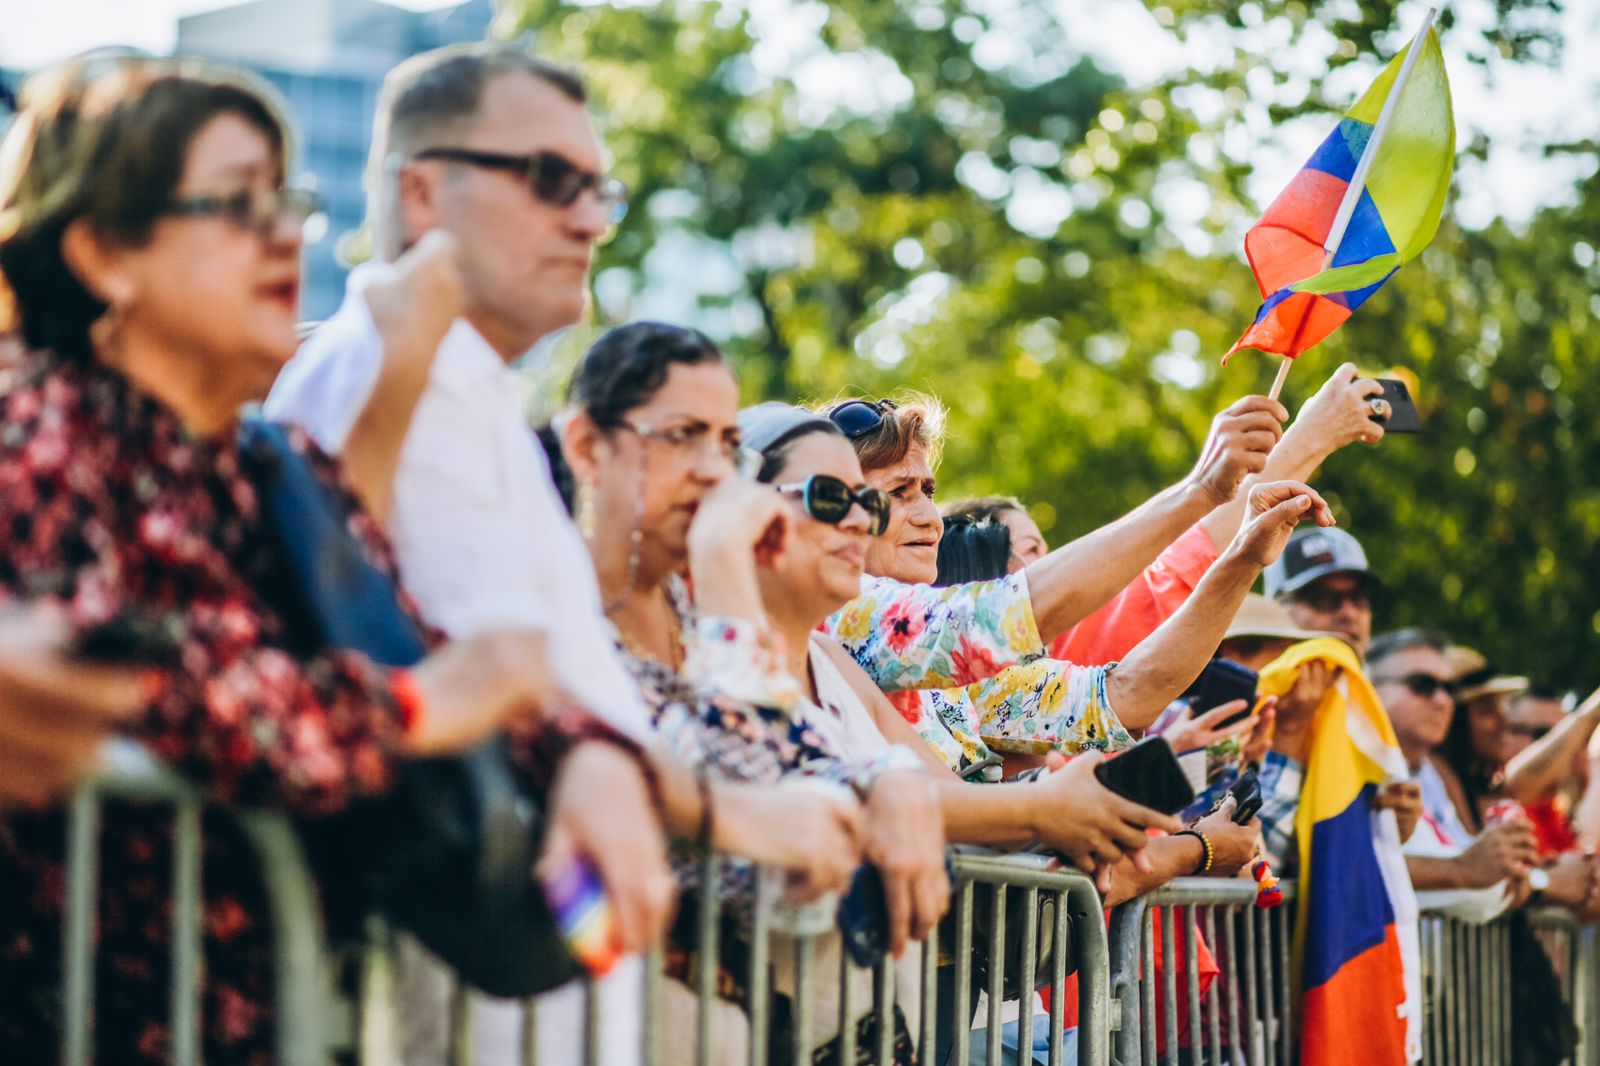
(857, 418)
(828, 499)
(1327, 601)
(1425, 686)
(554, 178)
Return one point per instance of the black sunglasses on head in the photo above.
(828, 499)
(857, 418)
(1424, 686)
(554, 179)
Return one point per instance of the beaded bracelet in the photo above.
(1206, 849)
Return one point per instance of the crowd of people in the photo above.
(694, 626)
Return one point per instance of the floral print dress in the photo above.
(963, 664)
(108, 504)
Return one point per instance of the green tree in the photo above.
(984, 212)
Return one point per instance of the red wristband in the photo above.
(407, 700)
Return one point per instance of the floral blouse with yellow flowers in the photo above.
(919, 636)
(962, 665)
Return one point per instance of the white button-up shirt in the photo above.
(482, 539)
(483, 542)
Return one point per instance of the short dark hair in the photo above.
(104, 140)
(981, 509)
(973, 551)
(1391, 644)
(628, 365)
(436, 90)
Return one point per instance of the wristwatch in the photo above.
(1538, 883)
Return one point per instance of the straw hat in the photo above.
(1261, 617)
(1476, 677)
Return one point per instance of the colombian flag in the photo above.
(1394, 219)
(1356, 952)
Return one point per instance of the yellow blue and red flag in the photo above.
(1306, 296)
(1356, 953)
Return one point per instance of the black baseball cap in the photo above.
(1314, 552)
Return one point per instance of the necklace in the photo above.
(674, 638)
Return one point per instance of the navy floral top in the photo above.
(107, 503)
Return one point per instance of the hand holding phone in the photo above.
(1246, 793)
(1402, 414)
(1223, 681)
(583, 914)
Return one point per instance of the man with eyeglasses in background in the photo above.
(1483, 874)
(485, 163)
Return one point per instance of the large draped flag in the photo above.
(1307, 295)
(1357, 964)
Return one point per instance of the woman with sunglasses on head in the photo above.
(1018, 703)
(652, 442)
(150, 259)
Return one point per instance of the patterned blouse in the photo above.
(961, 664)
(107, 503)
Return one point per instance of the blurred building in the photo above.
(328, 58)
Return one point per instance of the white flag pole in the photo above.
(1358, 180)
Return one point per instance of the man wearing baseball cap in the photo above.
(1324, 582)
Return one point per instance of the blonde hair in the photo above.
(917, 420)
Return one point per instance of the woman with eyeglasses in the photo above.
(150, 258)
(652, 443)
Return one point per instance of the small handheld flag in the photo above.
(1368, 200)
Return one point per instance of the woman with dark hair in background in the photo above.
(973, 550)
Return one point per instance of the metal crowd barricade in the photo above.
(1243, 1016)
(1059, 904)
(300, 952)
(1467, 978)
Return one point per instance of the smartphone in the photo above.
(578, 902)
(1403, 416)
(1149, 775)
(128, 637)
(1223, 681)
(1246, 793)
(864, 917)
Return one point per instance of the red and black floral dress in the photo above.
(107, 503)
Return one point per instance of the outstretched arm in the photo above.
(1337, 415)
(1162, 665)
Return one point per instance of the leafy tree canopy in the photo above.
(953, 195)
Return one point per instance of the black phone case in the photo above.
(1223, 681)
(1247, 796)
(1149, 775)
(864, 917)
(1403, 417)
